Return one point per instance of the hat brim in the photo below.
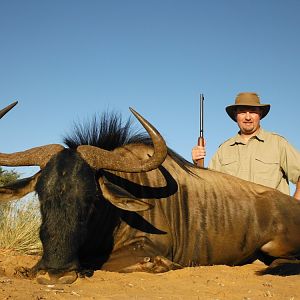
(231, 109)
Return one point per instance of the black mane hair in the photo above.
(107, 131)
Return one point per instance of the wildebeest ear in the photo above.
(120, 197)
(19, 188)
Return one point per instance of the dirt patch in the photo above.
(215, 282)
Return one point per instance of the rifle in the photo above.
(200, 162)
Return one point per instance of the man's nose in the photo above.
(248, 115)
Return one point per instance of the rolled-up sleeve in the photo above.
(290, 161)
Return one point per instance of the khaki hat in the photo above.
(247, 99)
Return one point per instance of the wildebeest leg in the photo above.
(282, 267)
(266, 259)
(284, 248)
(157, 264)
(139, 257)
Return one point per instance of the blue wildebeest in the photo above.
(119, 201)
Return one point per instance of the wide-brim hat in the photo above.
(247, 99)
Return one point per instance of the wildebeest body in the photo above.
(206, 225)
(182, 225)
(145, 218)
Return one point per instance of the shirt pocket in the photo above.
(229, 165)
(267, 170)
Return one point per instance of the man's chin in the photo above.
(248, 130)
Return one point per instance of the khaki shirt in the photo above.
(267, 159)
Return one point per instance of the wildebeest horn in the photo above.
(100, 158)
(7, 109)
(38, 156)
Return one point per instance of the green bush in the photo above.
(8, 176)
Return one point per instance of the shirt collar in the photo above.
(238, 140)
(261, 135)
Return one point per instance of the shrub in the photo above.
(8, 176)
(19, 226)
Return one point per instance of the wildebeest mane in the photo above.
(108, 131)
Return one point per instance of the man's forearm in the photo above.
(297, 191)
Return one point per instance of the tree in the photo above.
(8, 176)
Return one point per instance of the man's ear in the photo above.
(120, 197)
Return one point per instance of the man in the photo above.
(255, 154)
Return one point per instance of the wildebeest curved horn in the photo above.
(38, 156)
(100, 158)
(7, 109)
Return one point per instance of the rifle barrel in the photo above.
(201, 114)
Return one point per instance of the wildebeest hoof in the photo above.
(162, 264)
(158, 264)
(46, 278)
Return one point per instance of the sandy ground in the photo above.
(215, 282)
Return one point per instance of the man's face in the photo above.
(248, 119)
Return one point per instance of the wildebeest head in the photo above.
(69, 190)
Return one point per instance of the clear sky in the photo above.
(65, 60)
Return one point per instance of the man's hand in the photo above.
(297, 191)
(199, 152)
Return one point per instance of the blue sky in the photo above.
(66, 60)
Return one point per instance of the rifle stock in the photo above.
(200, 162)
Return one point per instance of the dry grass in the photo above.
(19, 226)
